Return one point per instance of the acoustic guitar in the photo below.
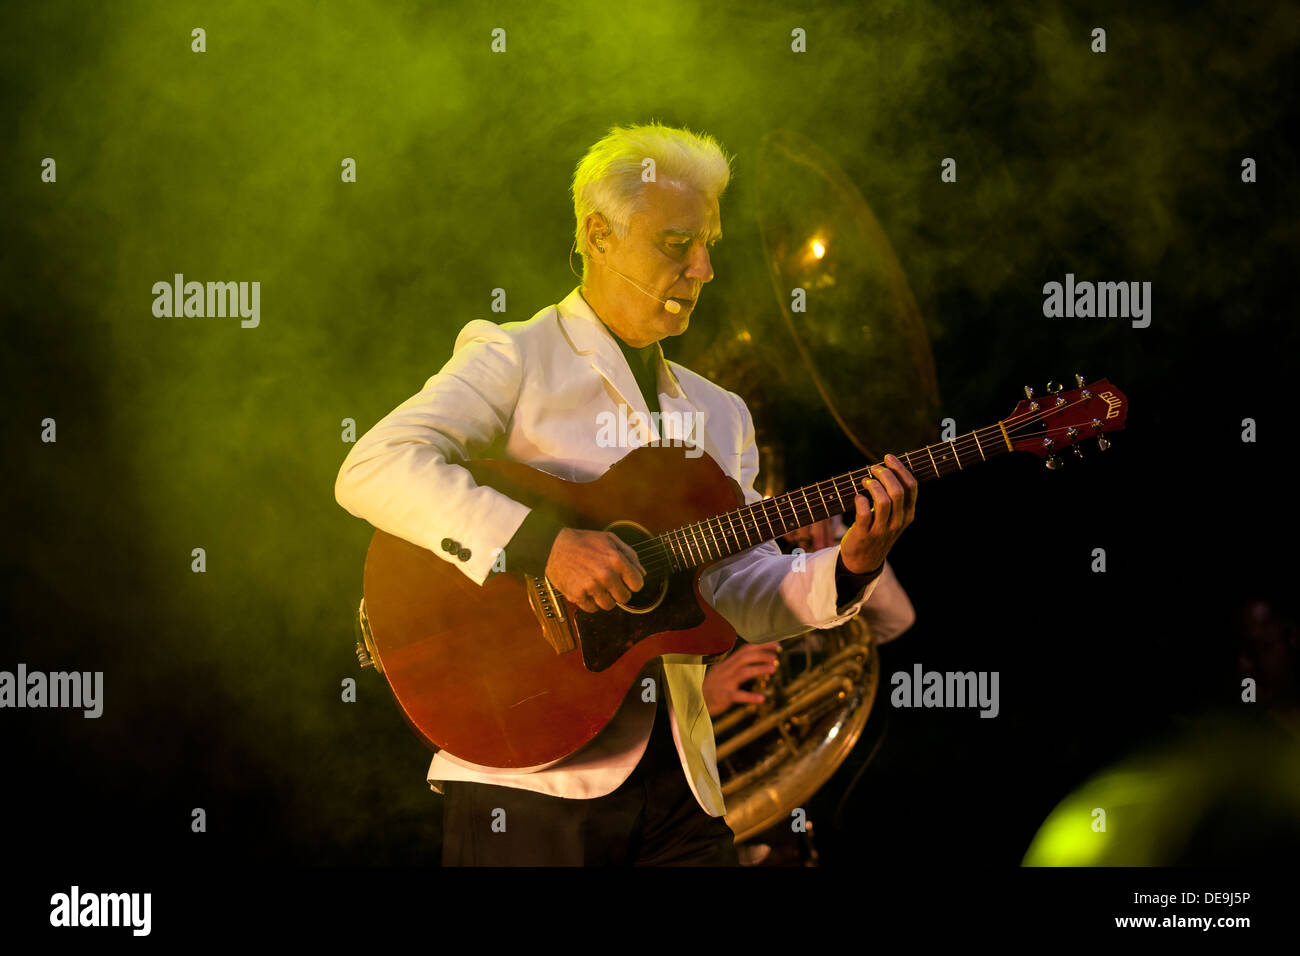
(511, 675)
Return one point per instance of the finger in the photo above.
(757, 669)
(587, 604)
(882, 507)
(868, 505)
(862, 507)
(748, 697)
(894, 488)
(629, 569)
(609, 581)
(911, 487)
(604, 600)
(629, 553)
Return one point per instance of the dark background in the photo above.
(222, 689)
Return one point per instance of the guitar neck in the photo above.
(692, 545)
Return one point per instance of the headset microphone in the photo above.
(671, 305)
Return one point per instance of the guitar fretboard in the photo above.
(726, 534)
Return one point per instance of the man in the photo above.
(645, 790)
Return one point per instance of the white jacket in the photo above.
(536, 388)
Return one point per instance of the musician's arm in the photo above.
(399, 477)
(849, 585)
(889, 611)
(530, 548)
(770, 596)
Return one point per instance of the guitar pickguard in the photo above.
(606, 636)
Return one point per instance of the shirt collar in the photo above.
(590, 336)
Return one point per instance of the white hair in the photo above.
(608, 179)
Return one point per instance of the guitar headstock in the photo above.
(1048, 424)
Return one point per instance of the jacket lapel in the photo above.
(589, 337)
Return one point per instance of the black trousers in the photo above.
(652, 819)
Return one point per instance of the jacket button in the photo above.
(463, 554)
(448, 545)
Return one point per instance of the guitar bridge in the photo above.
(548, 606)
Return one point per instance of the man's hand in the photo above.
(893, 494)
(722, 680)
(593, 568)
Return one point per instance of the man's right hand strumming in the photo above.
(594, 569)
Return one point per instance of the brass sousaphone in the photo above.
(840, 370)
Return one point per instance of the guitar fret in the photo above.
(823, 499)
(956, 455)
(932, 463)
(804, 492)
(692, 547)
(667, 540)
(769, 519)
(704, 536)
(780, 516)
(748, 540)
(664, 553)
(977, 445)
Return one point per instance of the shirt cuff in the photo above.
(530, 548)
(848, 586)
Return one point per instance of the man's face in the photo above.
(666, 251)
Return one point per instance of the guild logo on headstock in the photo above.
(1114, 404)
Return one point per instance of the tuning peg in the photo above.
(1053, 463)
(1073, 433)
(1079, 378)
(1054, 387)
(1029, 391)
(1102, 444)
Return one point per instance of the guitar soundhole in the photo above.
(655, 587)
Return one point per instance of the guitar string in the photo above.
(690, 535)
(691, 539)
(695, 539)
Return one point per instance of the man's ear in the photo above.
(597, 230)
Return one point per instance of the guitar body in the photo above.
(470, 666)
